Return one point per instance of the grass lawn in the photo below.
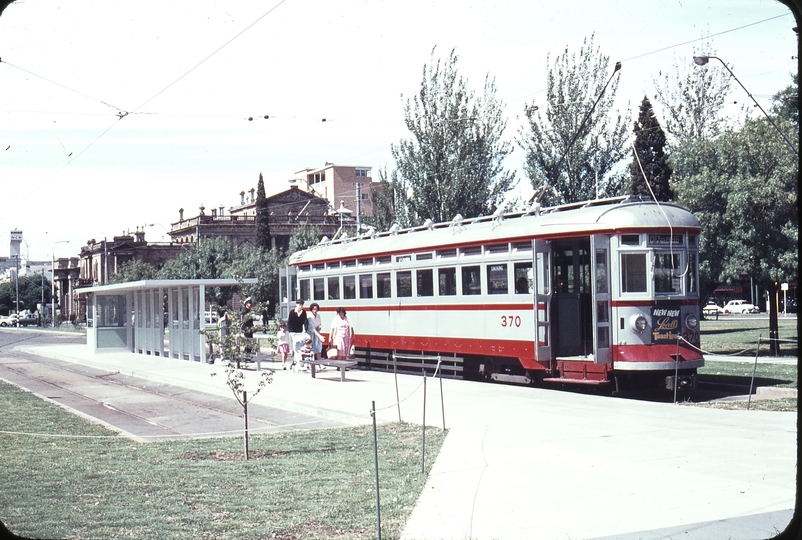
(737, 335)
(315, 484)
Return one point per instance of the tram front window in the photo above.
(633, 272)
(667, 273)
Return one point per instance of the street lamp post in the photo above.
(702, 60)
(53, 282)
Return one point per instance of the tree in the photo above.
(743, 189)
(591, 150)
(303, 238)
(262, 217)
(31, 290)
(786, 103)
(452, 164)
(252, 261)
(649, 158)
(390, 208)
(134, 270)
(209, 258)
(693, 98)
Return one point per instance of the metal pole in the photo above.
(245, 407)
(442, 402)
(423, 438)
(676, 370)
(376, 467)
(397, 398)
(754, 369)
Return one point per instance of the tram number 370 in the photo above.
(510, 321)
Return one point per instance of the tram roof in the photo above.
(615, 215)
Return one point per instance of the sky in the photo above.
(114, 114)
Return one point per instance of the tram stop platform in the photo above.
(528, 463)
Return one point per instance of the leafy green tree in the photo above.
(593, 149)
(31, 289)
(209, 258)
(390, 209)
(649, 157)
(252, 261)
(693, 98)
(786, 103)
(743, 189)
(134, 270)
(262, 216)
(453, 162)
(304, 238)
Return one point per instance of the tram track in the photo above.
(140, 408)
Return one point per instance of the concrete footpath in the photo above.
(524, 463)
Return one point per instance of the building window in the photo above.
(362, 173)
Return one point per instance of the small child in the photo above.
(283, 343)
(306, 354)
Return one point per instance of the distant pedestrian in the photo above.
(246, 319)
(296, 324)
(283, 347)
(313, 328)
(341, 336)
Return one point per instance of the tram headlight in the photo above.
(638, 323)
(691, 322)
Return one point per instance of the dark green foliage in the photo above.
(303, 238)
(135, 270)
(453, 163)
(31, 289)
(262, 217)
(650, 158)
(574, 84)
(743, 189)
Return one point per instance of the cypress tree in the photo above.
(650, 141)
(262, 217)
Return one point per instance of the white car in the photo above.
(712, 308)
(740, 306)
(10, 320)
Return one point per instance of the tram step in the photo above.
(568, 380)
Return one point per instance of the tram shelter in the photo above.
(151, 317)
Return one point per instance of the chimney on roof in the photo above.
(242, 198)
(252, 191)
(140, 236)
(180, 214)
(221, 210)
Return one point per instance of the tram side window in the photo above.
(471, 280)
(304, 290)
(633, 272)
(334, 288)
(425, 279)
(497, 279)
(667, 273)
(447, 278)
(349, 287)
(318, 289)
(690, 277)
(383, 285)
(543, 285)
(523, 278)
(403, 283)
(366, 286)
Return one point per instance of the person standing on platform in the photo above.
(313, 328)
(341, 336)
(296, 325)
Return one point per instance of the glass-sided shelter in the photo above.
(153, 317)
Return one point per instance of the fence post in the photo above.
(442, 402)
(376, 466)
(245, 408)
(754, 369)
(423, 438)
(397, 398)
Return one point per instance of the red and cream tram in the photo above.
(599, 292)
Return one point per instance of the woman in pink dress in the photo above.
(341, 335)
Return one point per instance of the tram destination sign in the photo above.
(666, 322)
(666, 239)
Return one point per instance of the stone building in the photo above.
(288, 210)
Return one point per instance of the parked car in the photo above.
(740, 306)
(8, 320)
(28, 320)
(712, 309)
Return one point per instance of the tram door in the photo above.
(571, 305)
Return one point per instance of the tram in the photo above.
(604, 292)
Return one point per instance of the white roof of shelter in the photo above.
(165, 283)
